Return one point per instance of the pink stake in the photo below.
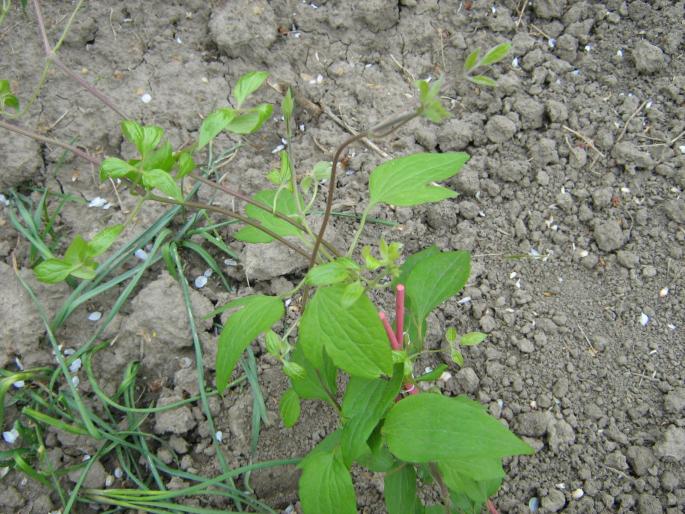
(399, 314)
(388, 330)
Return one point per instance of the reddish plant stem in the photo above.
(491, 507)
(399, 313)
(388, 330)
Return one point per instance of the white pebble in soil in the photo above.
(200, 281)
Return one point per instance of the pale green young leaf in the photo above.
(306, 184)
(293, 370)
(185, 164)
(113, 167)
(351, 293)
(410, 180)
(104, 239)
(353, 337)
(472, 338)
(482, 80)
(432, 375)
(435, 112)
(251, 120)
(132, 132)
(289, 408)
(495, 54)
(52, 271)
(326, 485)
(370, 261)
(330, 273)
(451, 335)
(288, 105)
(285, 204)
(274, 176)
(322, 170)
(471, 60)
(429, 427)
(213, 124)
(400, 490)
(152, 135)
(160, 179)
(161, 158)
(273, 344)
(457, 357)
(78, 251)
(85, 271)
(256, 315)
(248, 84)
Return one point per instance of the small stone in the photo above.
(176, 421)
(548, 9)
(554, 501)
(648, 504)
(544, 151)
(640, 459)
(609, 236)
(627, 259)
(560, 434)
(526, 346)
(534, 424)
(673, 444)
(467, 380)
(556, 111)
(531, 112)
(564, 201)
(648, 58)
(10, 497)
(500, 129)
(560, 388)
(601, 198)
(649, 271)
(626, 152)
(675, 210)
(95, 478)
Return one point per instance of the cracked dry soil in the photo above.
(577, 163)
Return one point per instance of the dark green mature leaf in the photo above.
(477, 479)
(432, 375)
(408, 181)
(104, 239)
(332, 272)
(495, 54)
(7, 99)
(353, 337)
(52, 271)
(482, 80)
(248, 84)
(400, 490)
(326, 486)
(285, 204)
(116, 168)
(310, 386)
(289, 407)
(429, 427)
(256, 315)
(412, 261)
(471, 60)
(160, 179)
(365, 403)
(434, 279)
(213, 124)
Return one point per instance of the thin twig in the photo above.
(521, 12)
(625, 127)
(586, 139)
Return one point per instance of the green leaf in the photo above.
(133, 132)
(185, 164)
(248, 84)
(52, 271)
(306, 184)
(116, 168)
(429, 427)
(293, 370)
(408, 181)
(274, 176)
(379, 459)
(432, 375)
(353, 337)
(400, 490)
(482, 80)
(273, 343)
(289, 407)
(288, 105)
(322, 170)
(9, 101)
(351, 294)
(285, 204)
(451, 335)
(104, 239)
(476, 478)
(256, 315)
(457, 357)
(161, 158)
(412, 261)
(85, 271)
(365, 403)
(213, 124)
(331, 272)
(152, 135)
(78, 251)
(310, 385)
(160, 179)
(434, 279)
(326, 486)
(251, 120)
(472, 338)
(435, 112)
(495, 54)
(471, 60)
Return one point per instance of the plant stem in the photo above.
(51, 55)
(444, 491)
(389, 332)
(399, 313)
(358, 233)
(328, 392)
(43, 139)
